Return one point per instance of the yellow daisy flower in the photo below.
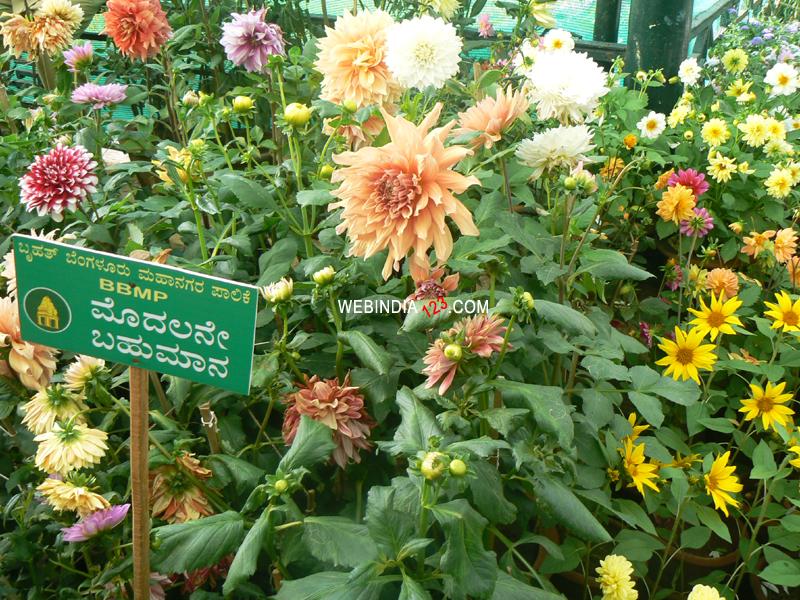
(637, 429)
(784, 313)
(639, 471)
(70, 446)
(50, 405)
(795, 462)
(768, 403)
(735, 60)
(74, 494)
(738, 88)
(687, 355)
(721, 168)
(721, 482)
(684, 462)
(755, 130)
(715, 132)
(718, 317)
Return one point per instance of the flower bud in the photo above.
(432, 466)
(326, 171)
(205, 99)
(570, 183)
(280, 291)
(641, 76)
(297, 114)
(49, 99)
(243, 105)
(630, 141)
(527, 299)
(453, 352)
(458, 467)
(324, 276)
(350, 106)
(688, 135)
(736, 227)
(674, 79)
(190, 99)
(281, 486)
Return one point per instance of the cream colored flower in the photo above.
(32, 363)
(83, 370)
(50, 405)
(70, 446)
(68, 495)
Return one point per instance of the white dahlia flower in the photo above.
(423, 52)
(559, 147)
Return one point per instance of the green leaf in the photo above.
(710, 518)
(196, 544)
(231, 470)
(647, 381)
(764, 465)
(412, 590)
(603, 368)
(566, 316)
(249, 193)
(508, 588)
(330, 585)
(369, 353)
(246, 559)
(389, 527)
(610, 265)
(547, 406)
(487, 494)
(417, 426)
(505, 420)
(649, 407)
(276, 262)
(314, 198)
(312, 444)
(782, 572)
(569, 510)
(338, 541)
(470, 569)
(482, 446)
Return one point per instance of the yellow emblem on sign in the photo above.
(47, 314)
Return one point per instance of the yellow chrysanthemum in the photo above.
(640, 472)
(779, 183)
(718, 317)
(735, 60)
(80, 372)
(738, 89)
(704, 592)
(755, 130)
(677, 204)
(768, 403)
(614, 577)
(69, 495)
(687, 355)
(721, 168)
(721, 482)
(715, 132)
(50, 405)
(775, 129)
(70, 446)
(783, 312)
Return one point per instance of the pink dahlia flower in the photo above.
(699, 225)
(99, 96)
(481, 336)
(249, 40)
(485, 27)
(96, 522)
(340, 406)
(58, 181)
(691, 179)
(79, 57)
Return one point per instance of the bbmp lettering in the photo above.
(136, 291)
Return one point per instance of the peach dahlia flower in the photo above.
(492, 116)
(352, 60)
(138, 27)
(398, 195)
(32, 363)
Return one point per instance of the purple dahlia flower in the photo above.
(99, 96)
(249, 40)
(96, 522)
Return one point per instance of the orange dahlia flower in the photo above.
(398, 195)
(491, 116)
(138, 27)
(352, 60)
(174, 495)
(793, 268)
(677, 204)
(722, 282)
(785, 244)
(17, 32)
(756, 243)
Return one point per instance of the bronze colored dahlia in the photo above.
(492, 116)
(33, 364)
(174, 495)
(340, 406)
(17, 32)
(723, 283)
(433, 286)
(54, 25)
(397, 196)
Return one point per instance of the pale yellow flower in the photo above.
(66, 495)
(83, 370)
(70, 446)
(50, 405)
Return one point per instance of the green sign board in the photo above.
(135, 312)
